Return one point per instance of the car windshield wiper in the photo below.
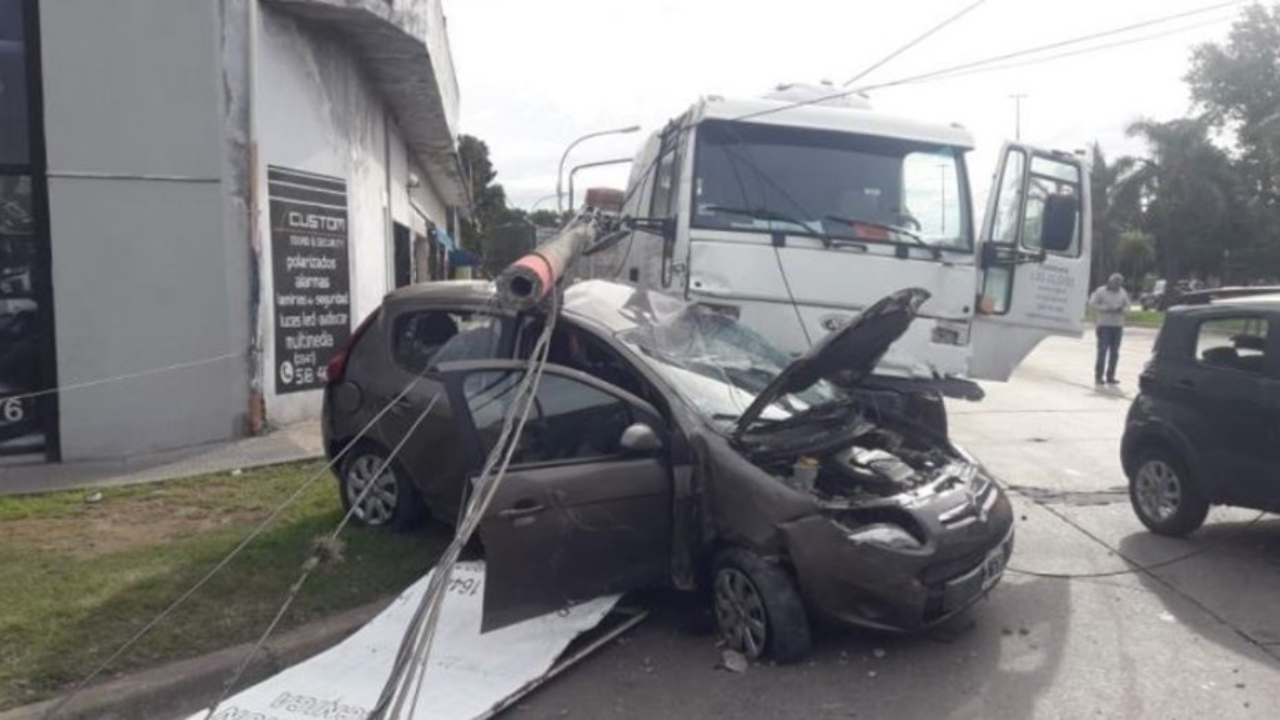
(760, 214)
(915, 236)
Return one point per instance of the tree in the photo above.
(488, 199)
(1135, 253)
(1189, 195)
(1237, 84)
(1115, 208)
(499, 234)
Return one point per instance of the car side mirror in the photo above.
(640, 438)
(1058, 228)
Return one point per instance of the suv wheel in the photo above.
(1162, 496)
(381, 495)
(758, 610)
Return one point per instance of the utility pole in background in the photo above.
(1017, 114)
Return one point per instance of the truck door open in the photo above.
(1033, 253)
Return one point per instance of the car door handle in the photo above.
(1185, 384)
(524, 508)
(400, 405)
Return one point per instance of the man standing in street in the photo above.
(1110, 303)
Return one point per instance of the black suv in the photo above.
(1205, 428)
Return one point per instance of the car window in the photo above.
(425, 337)
(1237, 343)
(570, 421)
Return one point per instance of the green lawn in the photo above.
(78, 578)
(1135, 318)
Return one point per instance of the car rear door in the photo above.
(416, 339)
(1230, 389)
(577, 515)
(1034, 252)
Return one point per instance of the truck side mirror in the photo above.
(1058, 226)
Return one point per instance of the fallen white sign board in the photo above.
(468, 676)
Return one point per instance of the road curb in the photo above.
(187, 686)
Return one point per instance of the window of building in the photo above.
(1237, 343)
(14, 131)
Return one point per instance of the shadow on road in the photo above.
(995, 660)
(1232, 582)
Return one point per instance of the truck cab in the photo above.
(794, 217)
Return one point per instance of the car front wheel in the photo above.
(758, 609)
(1162, 496)
(377, 494)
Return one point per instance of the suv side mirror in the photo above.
(640, 438)
(1058, 228)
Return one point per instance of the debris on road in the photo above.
(733, 661)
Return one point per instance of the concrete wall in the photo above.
(138, 223)
(317, 112)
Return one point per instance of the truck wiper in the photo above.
(759, 214)
(915, 237)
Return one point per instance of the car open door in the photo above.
(1034, 252)
(585, 508)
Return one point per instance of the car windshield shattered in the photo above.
(718, 365)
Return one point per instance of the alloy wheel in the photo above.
(740, 612)
(1158, 489)
(372, 490)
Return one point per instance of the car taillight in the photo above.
(337, 367)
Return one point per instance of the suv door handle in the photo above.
(524, 508)
(1185, 384)
(400, 405)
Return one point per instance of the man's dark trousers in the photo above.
(1108, 352)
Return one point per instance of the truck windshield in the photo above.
(842, 186)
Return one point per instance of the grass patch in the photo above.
(1134, 318)
(77, 579)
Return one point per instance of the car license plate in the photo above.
(993, 568)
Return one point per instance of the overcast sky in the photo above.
(535, 74)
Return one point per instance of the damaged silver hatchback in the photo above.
(671, 445)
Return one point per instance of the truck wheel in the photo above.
(758, 609)
(1162, 495)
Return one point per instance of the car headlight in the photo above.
(886, 535)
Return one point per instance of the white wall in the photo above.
(133, 122)
(316, 111)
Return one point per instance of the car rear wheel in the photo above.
(1162, 496)
(758, 610)
(382, 497)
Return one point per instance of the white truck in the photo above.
(794, 217)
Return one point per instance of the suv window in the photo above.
(1237, 344)
(426, 337)
(570, 419)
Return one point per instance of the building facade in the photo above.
(199, 199)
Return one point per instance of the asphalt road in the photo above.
(1198, 638)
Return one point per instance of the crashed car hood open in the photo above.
(845, 356)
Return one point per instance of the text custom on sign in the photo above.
(311, 275)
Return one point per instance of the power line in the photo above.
(995, 59)
(226, 560)
(1081, 51)
(919, 39)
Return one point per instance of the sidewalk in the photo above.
(300, 441)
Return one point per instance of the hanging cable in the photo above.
(410, 664)
(1082, 51)
(235, 552)
(994, 59)
(315, 559)
(919, 39)
(126, 376)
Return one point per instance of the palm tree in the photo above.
(1187, 192)
(1115, 209)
